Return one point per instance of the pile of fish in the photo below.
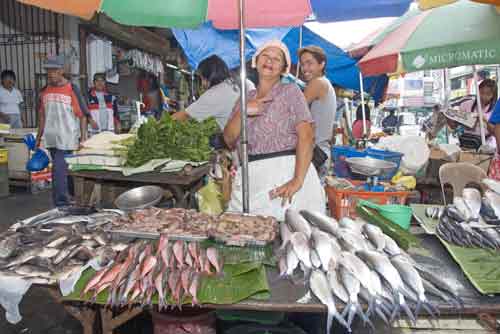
(231, 228)
(352, 261)
(472, 221)
(170, 269)
(170, 221)
(241, 230)
(50, 247)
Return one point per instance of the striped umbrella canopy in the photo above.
(224, 14)
(462, 33)
(428, 4)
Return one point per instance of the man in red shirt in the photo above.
(62, 126)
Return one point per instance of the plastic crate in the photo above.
(339, 154)
(342, 202)
(386, 156)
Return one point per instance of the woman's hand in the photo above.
(286, 191)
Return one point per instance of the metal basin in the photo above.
(139, 198)
(370, 166)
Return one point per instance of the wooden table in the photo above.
(284, 295)
(181, 185)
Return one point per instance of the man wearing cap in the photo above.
(62, 126)
(103, 106)
(320, 95)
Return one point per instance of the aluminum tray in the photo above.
(154, 235)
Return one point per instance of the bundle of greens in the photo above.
(167, 138)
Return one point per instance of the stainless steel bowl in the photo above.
(370, 166)
(139, 198)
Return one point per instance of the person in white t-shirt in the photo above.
(11, 100)
(222, 92)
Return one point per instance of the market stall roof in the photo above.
(344, 10)
(223, 13)
(418, 40)
(205, 41)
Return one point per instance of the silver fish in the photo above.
(323, 246)
(285, 234)
(431, 289)
(439, 281)
(355, 226)
(300, 245)
(27, 270)
(379, 308)
(381, 264)
(23, 257)
(391, 247)
(337, 287)
(68, 220)
(321, 289)
(58, 241)
(8, 245)
(472, 198)
(64, 254)
(51, 214)
(352, 285)
(292, 261)
(315, 260)
(321, 221)
(359, 270)
(411, 277)
(462, 207)
(375, 235)
(352, 242)
(48, 253)
(297, 222)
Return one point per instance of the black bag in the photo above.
(319, 157)
(470, 141)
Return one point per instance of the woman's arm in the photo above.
(232, 130)
(180, 116)
(41, 125)
(304, 152)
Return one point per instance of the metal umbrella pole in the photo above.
(479, 106)
(243, 105)
(362, 101)
(300, 46)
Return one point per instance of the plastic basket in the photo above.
(342, 202)
(387, 156)
(339, 154)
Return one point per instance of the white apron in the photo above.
(268, 174)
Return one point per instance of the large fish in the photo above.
(352, 286)
(391, 247)
(321, 289)
(323, 246)
(321, 221)
(411, 277)
(298, 223)
(440, 282)
(337, 287)
(381, 264)
(300, 245)
(292, 261)
(462, 207)
(48, 215)
(285, 234)
(352, 242)
(375, 235)
(8, 245)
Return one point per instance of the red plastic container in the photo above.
(342, 202)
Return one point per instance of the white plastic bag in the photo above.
(415, 149)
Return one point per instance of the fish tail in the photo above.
(395, 313)
(329, 321)
(408, 312)
(341, 320)
(418, 307)
(366, 319)
(352, 313)
(430, 309)
(382, 316)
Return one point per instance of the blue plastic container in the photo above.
(387, 156)
(339, 154)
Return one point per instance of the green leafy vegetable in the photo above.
(167, 138)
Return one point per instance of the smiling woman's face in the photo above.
(271, 62)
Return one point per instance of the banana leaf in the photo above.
(236, 255)
(404, 239)
(479, 265)
(239, 282)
